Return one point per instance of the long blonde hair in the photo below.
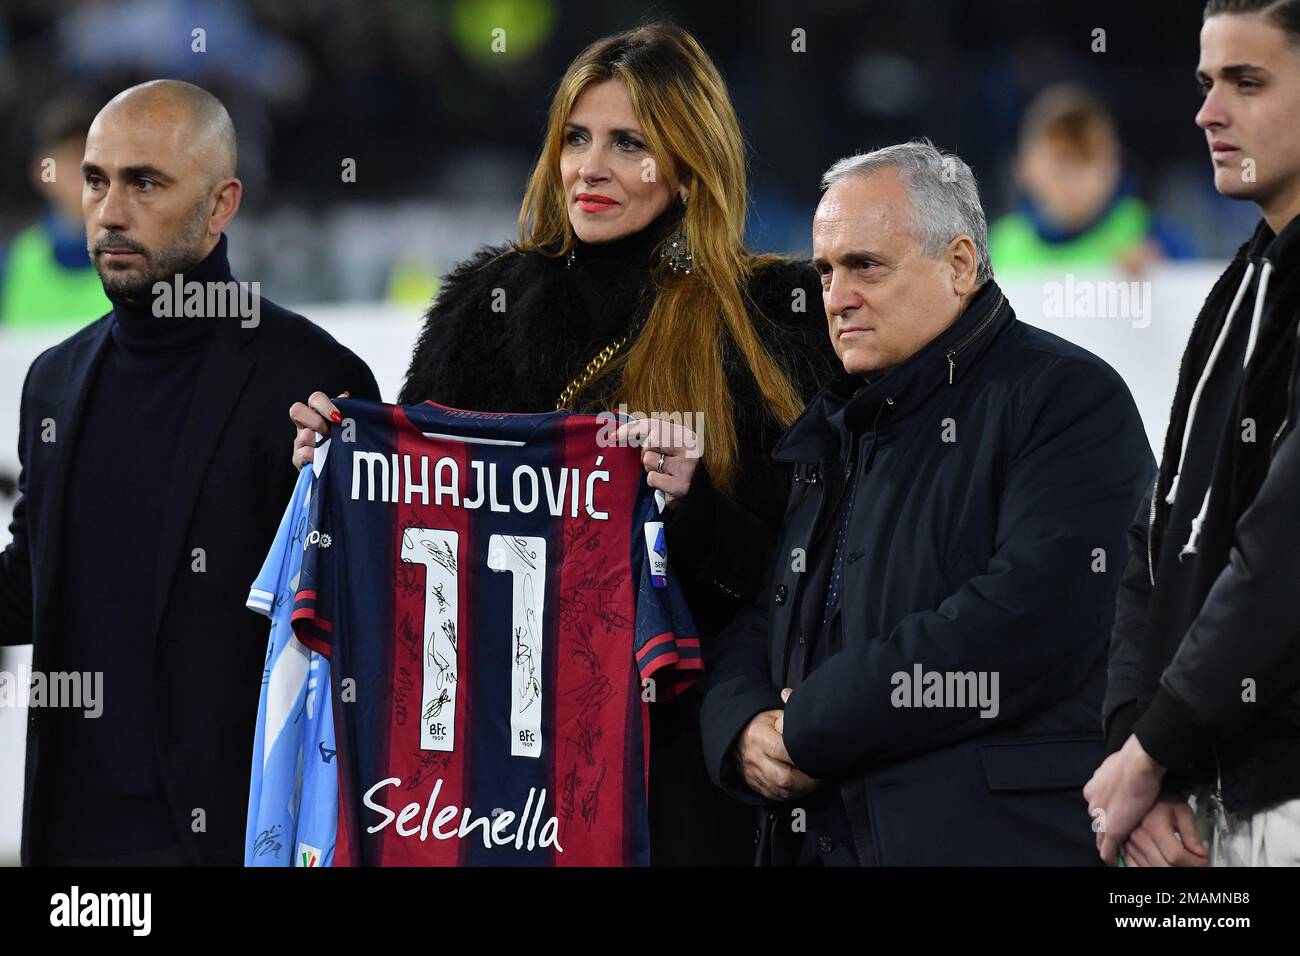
(675, 362)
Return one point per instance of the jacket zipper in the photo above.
(975, 333)
(1151, 529)
(1216, 802)
(1290, 397)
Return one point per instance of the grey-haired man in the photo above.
(921, 682)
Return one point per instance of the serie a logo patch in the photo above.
(656, 553)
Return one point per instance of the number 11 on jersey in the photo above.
(524, 557)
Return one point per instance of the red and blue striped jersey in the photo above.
(494, 594)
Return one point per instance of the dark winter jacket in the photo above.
(996, 471)
(1205, 657)
(547, 324)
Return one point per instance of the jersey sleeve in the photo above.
(311, 617)
(667, 643)
(265, 590)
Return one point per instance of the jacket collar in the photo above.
(856, 404)
(1277, 248)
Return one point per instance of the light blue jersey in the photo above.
(293, 798)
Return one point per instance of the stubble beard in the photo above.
(178, 256)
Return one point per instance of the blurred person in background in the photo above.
(1078, 209)
(1202, 708)
(153, 476)
(630, 284)
(46, 275)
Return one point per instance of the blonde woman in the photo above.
(630, 285)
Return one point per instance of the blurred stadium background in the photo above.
(443, 132)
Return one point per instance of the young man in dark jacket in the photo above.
(920, 683)
(1203, 699)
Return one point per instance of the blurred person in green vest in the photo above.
(1078, 208)
(46, 276)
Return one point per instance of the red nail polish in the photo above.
(336, 418)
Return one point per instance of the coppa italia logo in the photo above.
(308, 855)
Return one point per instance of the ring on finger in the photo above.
(660, 467)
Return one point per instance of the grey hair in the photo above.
(945, 197)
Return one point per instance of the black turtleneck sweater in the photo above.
(106, 795)
(616, 271)
(611, 279)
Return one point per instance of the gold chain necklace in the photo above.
(595, 365)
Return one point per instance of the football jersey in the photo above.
(494, 594)
(293, 795)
